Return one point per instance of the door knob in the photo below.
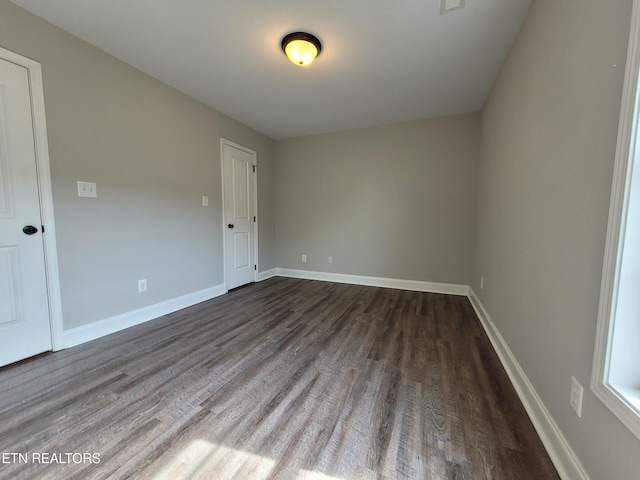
(231, 225)
(30, 230)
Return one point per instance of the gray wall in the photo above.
(153, 153)
(395, 201)
(548, 143)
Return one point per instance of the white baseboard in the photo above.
(266, 275)
(562, 455)
(419, 286)
(86, 333)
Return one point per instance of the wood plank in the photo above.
(282, 379)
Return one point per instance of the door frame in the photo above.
(36, 88)
(224, 142)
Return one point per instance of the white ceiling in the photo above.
(382, 61)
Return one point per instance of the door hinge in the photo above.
(42, 228)
(254, 168)
(255, 267)
(254, 218)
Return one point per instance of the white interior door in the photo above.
(24, 309)
(238, 170)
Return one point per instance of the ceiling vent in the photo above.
(447, 6)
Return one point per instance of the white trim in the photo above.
(254, 154)
(562, 455)
(619, 405)
(419, 286)
(266, 275)
(623, 166)
(34, 71)
(86, 333)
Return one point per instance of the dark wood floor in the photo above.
(287, 379)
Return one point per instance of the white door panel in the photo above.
(241, 250)
(24, 314)
(239, 205)
(10, 305)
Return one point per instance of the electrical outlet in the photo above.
(142, 285)
(575, 398)
(481, 283)
(304, 259)
(447, 6)
(330, 260)
(205, 201)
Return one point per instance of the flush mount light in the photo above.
(301, 48)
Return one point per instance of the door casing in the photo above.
(45, 193)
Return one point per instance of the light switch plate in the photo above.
(87, 189)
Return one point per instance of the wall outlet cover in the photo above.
(575, 397)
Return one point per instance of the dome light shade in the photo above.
(301, 48)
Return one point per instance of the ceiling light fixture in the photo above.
(301, 48)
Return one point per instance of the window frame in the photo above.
(627, 149)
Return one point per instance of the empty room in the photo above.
(319, 240)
